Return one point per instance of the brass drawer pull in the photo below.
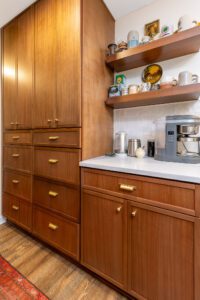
(53, 138)
(126, 187)
(14, 207)
(15, 155)
(134, 213)
(53, 194)
(15, 181)
(119, 209)
(53, 226)
(56, 120)
(53, 161)
(15, 137)
(12, 123)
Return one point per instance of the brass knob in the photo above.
(53, 138)
(15, 155)
(14, 207)
(53, 194)
(49, 121)
(56, 120)
(15, 181)
(134, 213)
(126, 187)
(53, 226)
(15, 137)
(119, 209)
(53, 161)
(12, 123)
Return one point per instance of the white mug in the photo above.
(185, 78)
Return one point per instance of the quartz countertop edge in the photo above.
(145, 167)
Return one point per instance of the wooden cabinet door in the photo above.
(68, 63)
(45, 64)
(10, 74)
(104, 236)
(160, 254)
(25, 69)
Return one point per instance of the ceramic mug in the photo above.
(185, 78)
(133, 89)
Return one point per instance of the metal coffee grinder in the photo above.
(182, 142)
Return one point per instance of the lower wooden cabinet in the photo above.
(161, 264)
(57, 231)
(18, 211)
(104, 236)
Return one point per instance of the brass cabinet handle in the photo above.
(14, 207)
(56, 120)
(134, 213)
(53, 194)
(15, 137)
(53, 161)
(15, 181)
(119, 209)
(49, 121)
(126, 187)
(12, 123)
(53, 138)
(53, 226)
(15, 155)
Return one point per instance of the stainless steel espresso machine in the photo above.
(181, 141)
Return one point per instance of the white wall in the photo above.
(139, 122)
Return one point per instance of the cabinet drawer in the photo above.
(57, 164)
(57, 197)
(17, 211)
(166, 193)
(16, 137)
(62, 234)
(65, 138)
(18, 158)
(18, 184)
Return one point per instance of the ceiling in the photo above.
(120, 8)
(11, 8)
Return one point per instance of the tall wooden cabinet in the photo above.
(54, 87)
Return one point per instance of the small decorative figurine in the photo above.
(152, 29)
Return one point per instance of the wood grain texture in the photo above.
(50, 272)
(45, 64)
(98, 32)
(70, 137)
(66, 168)
(25, 65)
(65, 200)
(176, 45)
(161, 255)
(9, 60)
(197, 200)
(197, 259)
(18, 184)
(68, 63)
(168, 194)
(103, 239)
(175, 94)
(18, 137)
(18, 158)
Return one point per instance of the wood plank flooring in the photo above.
(56, 277)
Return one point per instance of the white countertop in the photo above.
(146, 167)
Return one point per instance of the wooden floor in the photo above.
(50, 272)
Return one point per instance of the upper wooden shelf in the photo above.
(176, 45)
(170, 95)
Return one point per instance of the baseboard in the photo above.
(2, 220)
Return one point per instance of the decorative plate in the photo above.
(152, 73)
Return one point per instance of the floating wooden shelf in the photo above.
(170, 95)
(176, 45)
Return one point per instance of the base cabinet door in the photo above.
(103, 236)
(160, 254)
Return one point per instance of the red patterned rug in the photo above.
(13, 286)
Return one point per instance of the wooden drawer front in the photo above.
(57, 197)
(57, 164)
(18, 158)
(170, 194)
(17, 210)
(66, 138)
(57, 231)
(16, 137)
(18, 184)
